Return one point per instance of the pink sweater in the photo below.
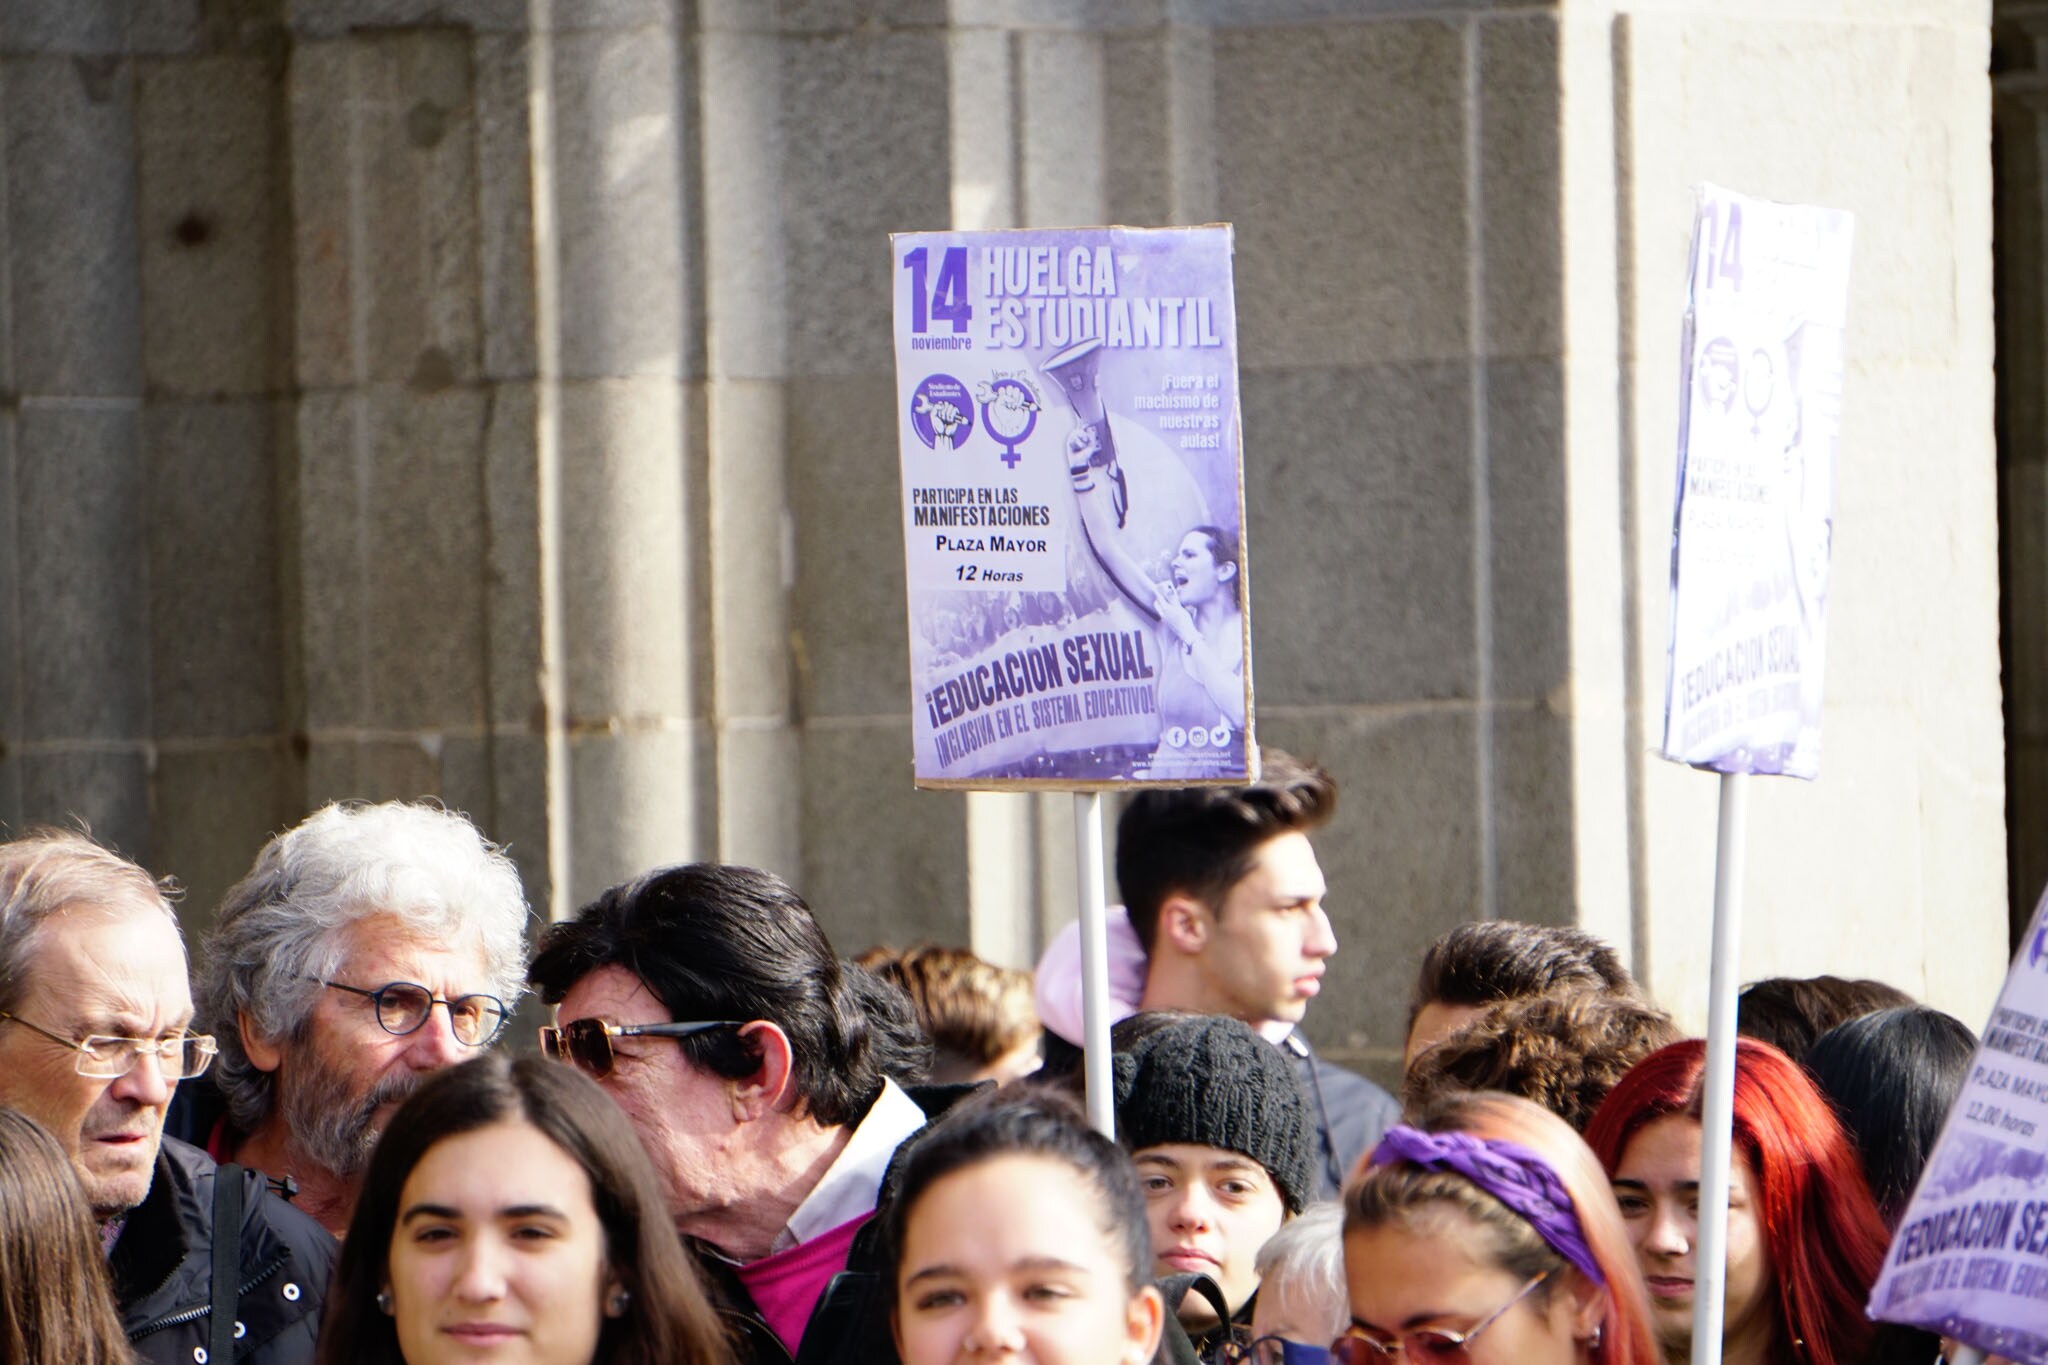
(787, 1285)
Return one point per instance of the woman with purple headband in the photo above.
(1484, 1233)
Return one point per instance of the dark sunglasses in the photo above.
(587, 1043)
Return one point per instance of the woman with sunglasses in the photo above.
(1484, 1233)
(1805, 1239)
(1019, 1233)
(509, 1212)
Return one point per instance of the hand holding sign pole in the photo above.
(1759, 418)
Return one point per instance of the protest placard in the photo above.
(1759, 422)
(1073, 507)
(1760, 410)
(1970, 1258)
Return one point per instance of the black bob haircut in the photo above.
(1892, 1077)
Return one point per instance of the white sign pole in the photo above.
(1710, 1261)
(1966, 1355)
(1094, 963)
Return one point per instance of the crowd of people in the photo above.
(734, 1146)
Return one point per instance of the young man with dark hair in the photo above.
(1485, 962)
(1224, 891)
(1225, 897)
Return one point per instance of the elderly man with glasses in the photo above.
(369, 946)
(95, 1036)
(707, 1002)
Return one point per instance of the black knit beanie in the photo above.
(1212, 1082)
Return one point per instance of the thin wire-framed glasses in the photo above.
(587, 1043)
(403, 1006)
(105, 1057)
(1431, 1344)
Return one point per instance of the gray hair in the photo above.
(1307, 1254)
(49, 870)
(279, 929)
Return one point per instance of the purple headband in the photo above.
(1510, 1173)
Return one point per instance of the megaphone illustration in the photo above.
(1074, 373)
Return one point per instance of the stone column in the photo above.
(628, 470)
(75, 553)
(501, 432)
(414, 637)
(1396, 185)
(750, 541)
(865, 150)
(213, 227)
(1820, 101)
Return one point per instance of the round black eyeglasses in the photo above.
(403, 1007)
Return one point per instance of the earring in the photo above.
(615, 1306)
(384, 1301)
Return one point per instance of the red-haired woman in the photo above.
(1804, 1236)
(1483, 1232)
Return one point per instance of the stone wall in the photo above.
(491, 399)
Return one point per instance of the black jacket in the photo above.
(197, 1106)
(1351, 1112)
(850, 1325)
(163, 1270)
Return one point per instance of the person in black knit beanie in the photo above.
(1219, 1129)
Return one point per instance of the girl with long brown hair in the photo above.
(510, 1212)
(53, 1275)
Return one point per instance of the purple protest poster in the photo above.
(1970, 1258)
(1073, 507)
(1760, 418)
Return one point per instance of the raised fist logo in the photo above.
(941, 413)
(944, 418)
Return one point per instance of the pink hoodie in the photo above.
(1057, 984)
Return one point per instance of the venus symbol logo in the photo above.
(1009, 412)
